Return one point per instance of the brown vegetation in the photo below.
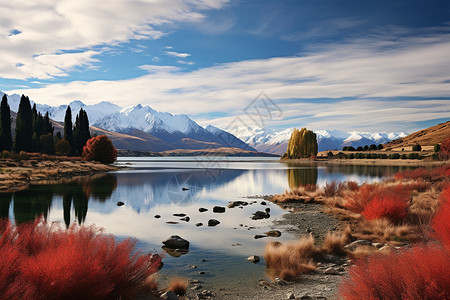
(178, 286)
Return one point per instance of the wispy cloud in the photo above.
(178, 54)
(377, 81)
(36, 31)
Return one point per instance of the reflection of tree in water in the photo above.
(100, 187)
(31, 203)
(5, 202)
(302, 177)
(37, 199)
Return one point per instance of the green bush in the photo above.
(380, 147)
(413, 156)
(351, 156)
(366, 147)
(373, 147)
(360, 148)
(359, 155)
(404, 156)
(416, 147)
(436, 148)
(383, 156)
(394, 156)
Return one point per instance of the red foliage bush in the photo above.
(41, 261)
(420, 273)
(101, 149)
(360, 197)
(445, 146)
(375, 202)
(441, 220)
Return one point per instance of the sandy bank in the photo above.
(18, 174)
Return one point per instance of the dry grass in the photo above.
(178, 286)
(289, 260)
(334, 242)
(382, 230)
(363, 251)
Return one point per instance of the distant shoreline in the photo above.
(16, 175)
(377, 162)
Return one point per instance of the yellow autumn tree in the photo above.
(302, 144)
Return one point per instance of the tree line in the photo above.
(35, 132)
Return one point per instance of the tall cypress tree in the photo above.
(81, 133)
(5, 125)
(68, 133)
(24, 126)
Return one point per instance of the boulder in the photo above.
(176, 242)
(202, 209)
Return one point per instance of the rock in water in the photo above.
(120, 203)
(176, 242)
(218, 209)
(254, 259)
(213, 222)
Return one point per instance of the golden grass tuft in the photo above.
(334, 242)
(289, 260)
(178, 286)
(363, 251)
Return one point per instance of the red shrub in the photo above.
(100, 149)
(359, 198)
(45, 262)
(375, 202)
(441, 220)
(389, 207)
(445, 146)
(420, 273)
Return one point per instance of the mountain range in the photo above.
(141, 128)
(272, 141)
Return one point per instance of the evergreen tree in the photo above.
(24, 126)
(48, 126)
(68, 133)
(5, 125)
(81, 133)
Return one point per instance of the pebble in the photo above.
(199, 224)
(179, 215)
(213, 222)
(187, 219)
(157, 216)
(202, 209)
(331, 271)
(290, 295)
(259, 236)
(192, 266)
(202, 272)
(120, 203)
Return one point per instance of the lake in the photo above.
(154, 186)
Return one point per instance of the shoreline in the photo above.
(364, 161)
(16, 175)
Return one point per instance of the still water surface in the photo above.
(153, 186)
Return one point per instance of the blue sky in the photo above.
(348, 65)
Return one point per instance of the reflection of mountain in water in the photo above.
(145, 190)
(37, 199)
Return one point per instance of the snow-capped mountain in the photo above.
(271, 141)
(95, 112)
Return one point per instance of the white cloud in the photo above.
(185, 62)
(178, 54)
(364, 71)
(31, 31)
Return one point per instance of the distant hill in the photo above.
(425, 137)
